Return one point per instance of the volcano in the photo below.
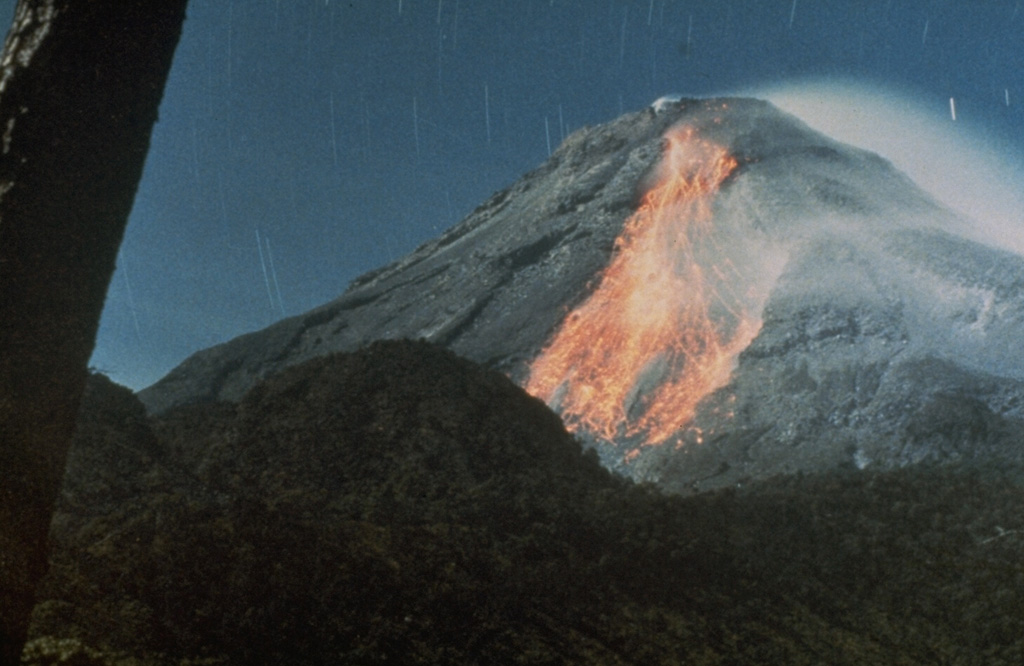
(707, 291)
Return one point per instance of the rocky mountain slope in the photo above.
(882, 330)
(491, 288)
(403, 505)
(911, 357)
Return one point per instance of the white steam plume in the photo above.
(954, 161)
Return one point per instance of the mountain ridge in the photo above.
(591, 184)
(860, 285)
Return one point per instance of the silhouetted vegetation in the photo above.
(80, 87)
(402, 505)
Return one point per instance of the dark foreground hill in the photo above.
(402, 505)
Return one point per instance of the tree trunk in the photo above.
(80, 85)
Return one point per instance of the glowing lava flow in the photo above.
(661, 331)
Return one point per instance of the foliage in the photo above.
(402, 505)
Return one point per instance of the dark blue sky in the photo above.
(344, 134)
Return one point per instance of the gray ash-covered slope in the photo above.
(491, 288)
(904, 353)
(494, 286)
(889, 334)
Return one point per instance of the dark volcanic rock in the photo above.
(889, 334)
(402, 505)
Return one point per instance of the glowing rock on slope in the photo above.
(663, 327)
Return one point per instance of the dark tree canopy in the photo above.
(80, 86)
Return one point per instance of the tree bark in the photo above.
(80, 86)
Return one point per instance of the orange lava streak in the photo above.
(660, 332)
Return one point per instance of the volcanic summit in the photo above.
(706, 291)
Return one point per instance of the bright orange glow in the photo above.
(662, 329)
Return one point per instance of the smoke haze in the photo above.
(955, 161)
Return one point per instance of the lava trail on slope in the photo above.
(666, 321)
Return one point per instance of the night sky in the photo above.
(304, 142)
